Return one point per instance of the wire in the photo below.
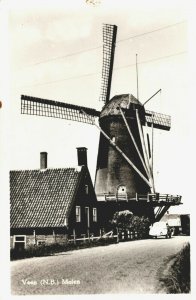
(154, 59)
(95, 48)
(64, 56)
(148, 32)
(95, 73)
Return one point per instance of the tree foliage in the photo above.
(126, 221)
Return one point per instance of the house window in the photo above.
(78, 214)
(86, 189)
(94, 215)
(19, 242)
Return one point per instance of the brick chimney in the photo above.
(82, 156)
(43, 160)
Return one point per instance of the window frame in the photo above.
(86, 188)
(19, 235)
(78, 216)
(94, 214)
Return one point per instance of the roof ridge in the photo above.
(76, 168)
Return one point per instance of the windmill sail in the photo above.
(109, 40)
(49, 108)
(158, 120)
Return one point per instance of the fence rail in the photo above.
(121, 236)
(156, 197)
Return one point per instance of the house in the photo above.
(180, 223)
(50, 205)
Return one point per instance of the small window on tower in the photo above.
(122, 192)
(122, 189)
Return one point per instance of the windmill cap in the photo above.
(124, 101)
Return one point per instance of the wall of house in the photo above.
(83, 200)
(38, 236)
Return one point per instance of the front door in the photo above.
(87, 217)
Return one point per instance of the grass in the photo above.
(177, 279)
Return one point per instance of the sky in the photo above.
(55, 52)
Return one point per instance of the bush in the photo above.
(45, 250)
(36, 251)
(125, 220)
(178, 278)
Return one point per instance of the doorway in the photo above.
(87, 217)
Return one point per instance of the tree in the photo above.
(125, 221)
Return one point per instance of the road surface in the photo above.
(129, 267)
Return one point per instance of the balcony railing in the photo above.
(154, 198)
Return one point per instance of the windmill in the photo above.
(124, 173)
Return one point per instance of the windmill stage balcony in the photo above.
(155, 199)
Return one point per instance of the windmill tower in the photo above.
(124, 174)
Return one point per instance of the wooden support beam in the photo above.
(151, 97)
(160, 213)
(144, 150)
(122, 154)
(134, 142)
(152, 147)
(136, 196)
(149, 149)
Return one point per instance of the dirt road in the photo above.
(129, 267)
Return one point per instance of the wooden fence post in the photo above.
(54, 237)
(117, 231)
(74, 236)
(88, 233)
(34, 237)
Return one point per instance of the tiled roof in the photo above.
(42, 198)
